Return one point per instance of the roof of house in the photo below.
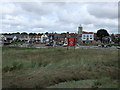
(59, 36)
(18, 35)
(35, 36)
(88, 33)
(9, 36)
(73, 34)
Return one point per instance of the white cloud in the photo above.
(58, 17)
(7, 8)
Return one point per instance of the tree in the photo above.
(102, 33)
(24, 33)
(16, 33)
(39, 33)
(34, 33)
(46, 33)
(30, 34)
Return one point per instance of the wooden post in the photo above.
(67, 43)
(75, 43)
(67, 47)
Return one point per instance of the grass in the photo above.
(59, 68)
(102, 83)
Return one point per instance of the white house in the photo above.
(2, 37)
(87, 36)
(44, 38)
(15, 37)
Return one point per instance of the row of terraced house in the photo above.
(81, 37)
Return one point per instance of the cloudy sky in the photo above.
(40, 17)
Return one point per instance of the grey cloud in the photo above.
(38, 8)
(104, 10)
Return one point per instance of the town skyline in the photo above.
(53, 32)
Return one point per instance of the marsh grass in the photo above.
(40, 68)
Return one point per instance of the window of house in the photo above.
(90, 36)
(84, 36)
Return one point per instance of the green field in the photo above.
(59, 68)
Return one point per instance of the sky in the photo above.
(60, 17)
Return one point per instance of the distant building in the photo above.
(95, 37)
(59, 38)
(116, 38)
(8, 38)
(34, 38)
(2, 39)
(44, 38)
(84, 37)
(88, 36)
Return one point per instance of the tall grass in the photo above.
(40, 68)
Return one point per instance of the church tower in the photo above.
(79, 37)
(80, 30)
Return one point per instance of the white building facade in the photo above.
(87, 37)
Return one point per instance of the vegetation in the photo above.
(59, 68)
(102, 33)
